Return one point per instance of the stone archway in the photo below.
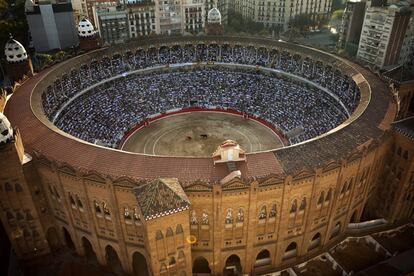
(89, 252)
(233, 266)
(315, 241)
(139, 265)
(263, 258)
(291, 251)
(201, 266)
(68, 239)
(112, 260)
(52, 239)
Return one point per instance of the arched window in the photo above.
(321, 198)
(348, 188)
(240, 215)
(106, 209)
(179, 229)
(344, 187)
(29, 215)
(127, 214)
(18, 188)
(35, 234)
(8, 187)
(181, 254)
(273, 211)
(159, 235)
(163, 268)
(329, 195)
(303, 204)
(193, 218)
(405, 155)
(204, 218)
(170, 232)
(229, 217)
(137, 217)
(294, 206)
(72, 201)
(79, 202)
(9, 215)
(56, 192)
(19, 216)
(97, 207)
(263, 212)
(172, 261)
(26, 233)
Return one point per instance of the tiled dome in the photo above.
(14, 51)
(214, 16)
(6, 131)
(85, 28)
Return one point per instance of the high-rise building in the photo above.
(51, 25)
(383, 33)
(141, 17)
(112, 24)
(350, 31)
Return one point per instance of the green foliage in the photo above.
(302, 22)
(337, 15)
(12, 20)
(337, 4)
(237, 24)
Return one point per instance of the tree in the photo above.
(337, 15)
(13, 21)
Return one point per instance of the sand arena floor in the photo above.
(181, 135)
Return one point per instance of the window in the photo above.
(229, 216)
(294, 206)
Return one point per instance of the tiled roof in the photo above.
(405, 127)
(161, 197)
(42, 137)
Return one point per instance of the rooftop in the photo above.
(405, 127)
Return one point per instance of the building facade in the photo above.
(278, 14)
(151, 215)
(351, 26)
(52, 25)
(383, 34)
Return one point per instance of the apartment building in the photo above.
(278, 13)
(112, 24)
(351, 26)
(383, 33)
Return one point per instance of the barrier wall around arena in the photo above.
(279, 133)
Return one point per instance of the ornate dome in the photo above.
(6, 131)
(85, 28)
(214, 16)
(14, 51)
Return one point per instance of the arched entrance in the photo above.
(68, 239)
(112, 260)
(201, 267)
(335, 231)
(291, 251)
(233, 266)
(263, 258)
(139, 265)
(315, 242)
(52, 239)
(89, 252)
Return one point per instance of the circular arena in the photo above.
(210, 154)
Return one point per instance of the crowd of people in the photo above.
(107, 111)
